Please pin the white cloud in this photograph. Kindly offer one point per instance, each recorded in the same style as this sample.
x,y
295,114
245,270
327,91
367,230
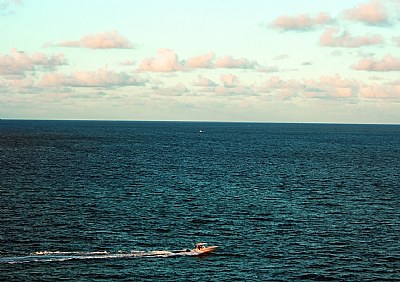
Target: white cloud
x,y
372,13
387,63
203,81
202,61
229,80
230,62
104,40
99,78
301,22
175,90
18,63
333,38
165,61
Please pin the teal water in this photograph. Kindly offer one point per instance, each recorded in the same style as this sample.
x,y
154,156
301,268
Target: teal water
x,y
92,201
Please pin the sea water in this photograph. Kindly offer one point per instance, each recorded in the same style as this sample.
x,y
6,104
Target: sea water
x,y
97,200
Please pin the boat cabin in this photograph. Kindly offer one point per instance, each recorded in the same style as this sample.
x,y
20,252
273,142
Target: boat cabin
x,y
200,246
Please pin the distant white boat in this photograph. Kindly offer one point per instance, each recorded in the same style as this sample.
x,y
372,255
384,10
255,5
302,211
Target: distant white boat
x,y
201,131
202,248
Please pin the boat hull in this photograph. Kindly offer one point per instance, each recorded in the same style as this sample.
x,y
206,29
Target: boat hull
x,y
205,250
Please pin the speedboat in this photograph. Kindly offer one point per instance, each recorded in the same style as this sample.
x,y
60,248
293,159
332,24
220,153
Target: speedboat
x,y
202,248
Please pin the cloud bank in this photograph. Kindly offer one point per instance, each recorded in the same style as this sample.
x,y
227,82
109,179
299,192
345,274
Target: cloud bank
x,y
18,63
167,61
100,78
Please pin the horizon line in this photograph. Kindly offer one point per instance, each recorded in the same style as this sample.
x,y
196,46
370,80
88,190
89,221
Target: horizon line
x,y
201,121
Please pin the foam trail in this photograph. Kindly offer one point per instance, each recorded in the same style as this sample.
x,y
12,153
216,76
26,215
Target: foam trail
x,y
59,256
68,253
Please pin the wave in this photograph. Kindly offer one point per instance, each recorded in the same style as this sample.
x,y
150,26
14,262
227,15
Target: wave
x,y
58,256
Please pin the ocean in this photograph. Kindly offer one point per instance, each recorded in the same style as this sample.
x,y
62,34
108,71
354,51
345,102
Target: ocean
x,y
107,200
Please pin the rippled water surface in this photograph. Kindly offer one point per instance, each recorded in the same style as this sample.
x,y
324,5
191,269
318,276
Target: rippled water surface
x,y
96,201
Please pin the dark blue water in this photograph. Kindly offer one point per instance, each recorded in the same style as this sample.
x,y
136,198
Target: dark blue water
x,y
80,199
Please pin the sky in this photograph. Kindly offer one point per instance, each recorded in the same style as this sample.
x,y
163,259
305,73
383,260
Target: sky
x,y
191,60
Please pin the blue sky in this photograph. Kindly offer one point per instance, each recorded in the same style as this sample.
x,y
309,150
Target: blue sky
x,y
285,61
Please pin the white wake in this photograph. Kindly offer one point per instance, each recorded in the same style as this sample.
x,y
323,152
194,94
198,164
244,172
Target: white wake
x,y
54,256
